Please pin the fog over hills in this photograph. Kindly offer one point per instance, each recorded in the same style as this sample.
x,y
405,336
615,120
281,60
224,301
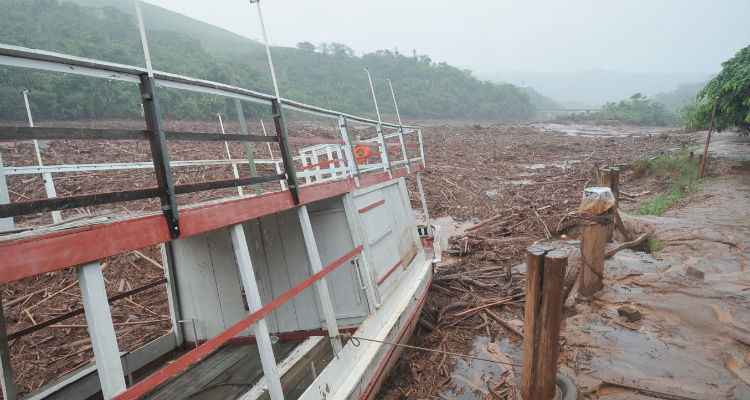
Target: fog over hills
x,y
592,88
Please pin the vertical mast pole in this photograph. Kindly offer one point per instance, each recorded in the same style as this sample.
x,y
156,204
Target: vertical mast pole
x,y
268,50
400,128
374,99
144,39
278,115
167,251
379,128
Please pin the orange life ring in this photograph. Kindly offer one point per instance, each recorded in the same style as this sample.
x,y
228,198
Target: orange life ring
x,y
362,152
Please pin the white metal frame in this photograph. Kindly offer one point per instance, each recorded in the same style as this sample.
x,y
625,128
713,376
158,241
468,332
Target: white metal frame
x,y
17,56
350,161
6,224
7,384
172,295
252,294
379,128
423,201
235,171
374,299
101,330
321,285
67,168
49,184
400,129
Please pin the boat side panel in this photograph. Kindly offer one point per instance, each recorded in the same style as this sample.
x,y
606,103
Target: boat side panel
x,y
208,277
333,237
358,370
381,229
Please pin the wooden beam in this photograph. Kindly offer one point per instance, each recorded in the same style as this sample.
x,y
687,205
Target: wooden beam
x,y
542,318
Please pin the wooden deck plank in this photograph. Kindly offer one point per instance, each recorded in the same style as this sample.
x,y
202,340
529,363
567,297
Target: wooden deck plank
x,y
227,373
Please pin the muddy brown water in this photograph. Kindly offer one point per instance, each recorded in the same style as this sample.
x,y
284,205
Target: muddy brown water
x,y
471,378
693,339
573,129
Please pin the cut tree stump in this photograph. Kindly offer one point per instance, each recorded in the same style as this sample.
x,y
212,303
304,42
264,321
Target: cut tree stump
x,y
542,318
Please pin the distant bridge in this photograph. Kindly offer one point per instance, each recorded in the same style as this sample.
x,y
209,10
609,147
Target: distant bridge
x,y
568,110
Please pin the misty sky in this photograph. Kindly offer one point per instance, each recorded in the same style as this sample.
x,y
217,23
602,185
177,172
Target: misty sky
x,y
655,36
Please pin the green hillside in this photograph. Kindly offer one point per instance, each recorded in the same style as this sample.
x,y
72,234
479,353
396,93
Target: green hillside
x,y
540,101
106,29
214,39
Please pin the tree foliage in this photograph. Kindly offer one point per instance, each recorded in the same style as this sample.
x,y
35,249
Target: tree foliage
x,y
306,46
637,110
729,92
331,75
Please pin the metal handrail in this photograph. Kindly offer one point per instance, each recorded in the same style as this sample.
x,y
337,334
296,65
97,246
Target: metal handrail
x,y
17,56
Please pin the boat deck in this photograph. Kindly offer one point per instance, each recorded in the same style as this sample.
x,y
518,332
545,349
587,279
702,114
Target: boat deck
x,y
260,261
226,374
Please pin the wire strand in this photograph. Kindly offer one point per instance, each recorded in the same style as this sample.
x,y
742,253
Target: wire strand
x,y
356,339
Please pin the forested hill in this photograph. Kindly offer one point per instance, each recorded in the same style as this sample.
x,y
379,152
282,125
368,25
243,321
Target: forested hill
x,y
330,75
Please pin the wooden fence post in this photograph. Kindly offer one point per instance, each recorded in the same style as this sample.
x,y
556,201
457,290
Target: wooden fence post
x,y
543,315
610,177
593,245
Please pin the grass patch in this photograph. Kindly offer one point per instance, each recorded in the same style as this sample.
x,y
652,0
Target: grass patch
x,y
660,203
681,173
654,245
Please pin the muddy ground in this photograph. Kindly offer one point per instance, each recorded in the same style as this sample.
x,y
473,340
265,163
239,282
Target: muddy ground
x,y
691,342
693,337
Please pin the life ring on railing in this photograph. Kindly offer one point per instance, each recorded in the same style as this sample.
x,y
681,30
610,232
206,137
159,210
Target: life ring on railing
x,y
361,153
